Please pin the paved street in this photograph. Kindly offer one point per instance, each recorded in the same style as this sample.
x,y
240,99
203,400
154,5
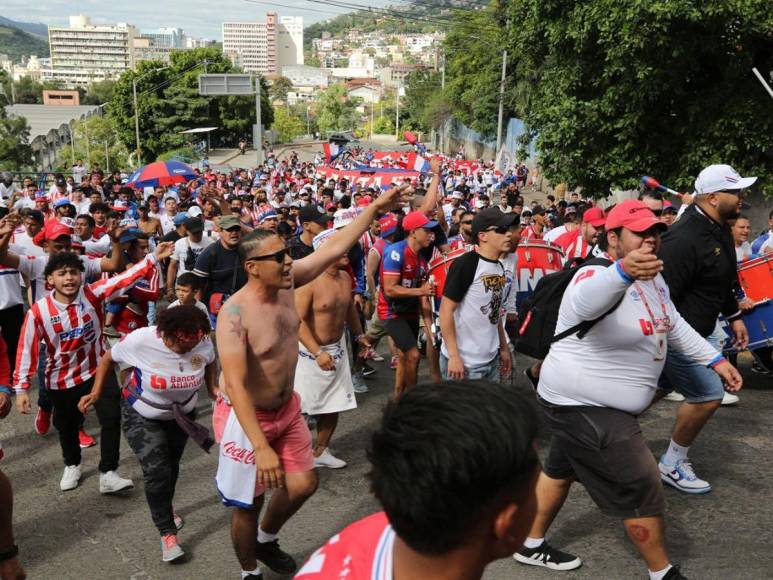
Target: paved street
x,y
83,535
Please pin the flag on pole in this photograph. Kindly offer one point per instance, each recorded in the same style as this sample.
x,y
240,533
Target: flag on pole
x,y
331,150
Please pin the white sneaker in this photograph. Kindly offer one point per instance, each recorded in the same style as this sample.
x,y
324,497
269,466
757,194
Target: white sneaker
x,y
674,396
359,384
730,399
111,482
682,477
70,477
170,549
326,459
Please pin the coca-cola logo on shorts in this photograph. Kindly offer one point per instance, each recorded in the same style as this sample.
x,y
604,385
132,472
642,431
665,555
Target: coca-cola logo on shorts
x,y
232,450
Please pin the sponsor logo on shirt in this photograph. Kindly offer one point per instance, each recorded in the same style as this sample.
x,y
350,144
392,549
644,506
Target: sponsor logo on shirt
x,y
86,332
197,361
238,454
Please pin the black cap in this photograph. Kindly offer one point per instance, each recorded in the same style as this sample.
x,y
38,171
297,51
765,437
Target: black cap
x,y
61,181
311,213
194,225
489,218
538,210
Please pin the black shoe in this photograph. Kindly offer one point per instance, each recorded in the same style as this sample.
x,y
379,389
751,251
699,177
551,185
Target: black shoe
x,y
674,574
532,379
253,577
548,557
273,557
367,370
759,369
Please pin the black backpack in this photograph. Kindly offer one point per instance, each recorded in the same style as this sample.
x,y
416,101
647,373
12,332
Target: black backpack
x,y
535,328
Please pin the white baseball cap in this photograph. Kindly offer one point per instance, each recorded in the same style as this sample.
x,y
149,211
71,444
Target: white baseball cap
x,y
343,217
716,178
322,237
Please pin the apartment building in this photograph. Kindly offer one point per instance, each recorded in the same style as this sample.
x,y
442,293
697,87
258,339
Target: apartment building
x,y
264,47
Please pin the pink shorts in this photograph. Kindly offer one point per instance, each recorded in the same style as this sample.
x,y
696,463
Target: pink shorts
x,y
285,429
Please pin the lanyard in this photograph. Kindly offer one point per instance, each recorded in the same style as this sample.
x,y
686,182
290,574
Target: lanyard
x,y
646,304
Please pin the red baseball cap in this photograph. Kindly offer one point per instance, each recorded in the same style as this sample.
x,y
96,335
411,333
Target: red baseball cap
x,y
594,216
416,220
633,215
51,231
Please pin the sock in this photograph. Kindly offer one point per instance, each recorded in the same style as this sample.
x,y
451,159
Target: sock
x,y
532,543
264,537
674,453
255,572
660,574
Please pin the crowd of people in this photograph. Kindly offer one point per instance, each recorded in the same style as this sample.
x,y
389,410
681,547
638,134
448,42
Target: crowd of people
x,y
269,290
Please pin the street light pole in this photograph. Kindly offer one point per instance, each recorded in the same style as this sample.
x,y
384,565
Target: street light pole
x,y
136,124
258,127
501,100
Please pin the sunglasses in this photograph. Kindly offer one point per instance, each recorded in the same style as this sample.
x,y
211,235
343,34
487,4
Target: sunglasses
x,y
278,257
499,229
466,222
657,212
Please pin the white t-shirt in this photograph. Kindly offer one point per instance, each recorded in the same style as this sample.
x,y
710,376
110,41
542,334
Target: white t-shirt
x,y
160,375
167,223
614,365
554,234
743,252
180,253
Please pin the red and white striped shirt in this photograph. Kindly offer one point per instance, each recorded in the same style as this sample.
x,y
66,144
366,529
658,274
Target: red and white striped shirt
x,y
529,233
573,245
72,332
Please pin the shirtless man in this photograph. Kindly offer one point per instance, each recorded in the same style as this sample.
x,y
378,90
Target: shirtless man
x,y
323,378
257,339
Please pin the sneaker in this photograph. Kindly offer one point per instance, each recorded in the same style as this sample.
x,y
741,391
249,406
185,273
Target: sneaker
x,y
547,556
533,381
178,521
327,459
674,396
367,370
111,482
170,549
682,477
272,556
86,440
729,399
253,577
70,477
375,357
42,421
393,362
359,384
674,574
756,368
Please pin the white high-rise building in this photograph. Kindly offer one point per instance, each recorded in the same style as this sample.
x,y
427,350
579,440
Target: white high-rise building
x,y
264,47
166,37
84,52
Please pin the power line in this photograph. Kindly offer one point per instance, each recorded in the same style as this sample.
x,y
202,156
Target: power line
x,y
292,7
385,12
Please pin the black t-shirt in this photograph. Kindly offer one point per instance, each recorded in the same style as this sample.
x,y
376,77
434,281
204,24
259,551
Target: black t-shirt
x,y
222,269
298,248
172,236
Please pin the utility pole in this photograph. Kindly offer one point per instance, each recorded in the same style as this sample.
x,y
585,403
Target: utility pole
x,y
72,142
107,159
397,114
258,127
136,123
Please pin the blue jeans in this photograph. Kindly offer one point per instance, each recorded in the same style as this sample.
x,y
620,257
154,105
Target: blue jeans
x,y
697,382
488,371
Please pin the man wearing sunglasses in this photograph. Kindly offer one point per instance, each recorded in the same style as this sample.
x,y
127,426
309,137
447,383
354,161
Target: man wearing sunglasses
x,y
464,237
257,340
700,268
474,344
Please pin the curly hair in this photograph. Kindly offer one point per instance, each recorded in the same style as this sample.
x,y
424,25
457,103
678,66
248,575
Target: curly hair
x,y
185,319
63,260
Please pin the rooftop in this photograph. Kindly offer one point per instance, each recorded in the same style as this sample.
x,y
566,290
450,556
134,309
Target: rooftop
x,y
42,118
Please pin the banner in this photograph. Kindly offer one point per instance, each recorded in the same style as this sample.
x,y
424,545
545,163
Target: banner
x,y
373,177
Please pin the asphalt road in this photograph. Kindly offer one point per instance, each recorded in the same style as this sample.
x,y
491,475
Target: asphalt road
x,y
83,535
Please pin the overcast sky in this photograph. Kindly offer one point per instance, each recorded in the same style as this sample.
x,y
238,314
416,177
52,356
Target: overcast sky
x,y
196,17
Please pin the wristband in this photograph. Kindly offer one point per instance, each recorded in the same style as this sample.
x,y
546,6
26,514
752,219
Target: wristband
x,y
10,553
319,352
359,336
7,390
623,274
717,361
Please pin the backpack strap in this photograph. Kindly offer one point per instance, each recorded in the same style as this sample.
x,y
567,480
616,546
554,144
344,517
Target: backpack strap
x,y
586,325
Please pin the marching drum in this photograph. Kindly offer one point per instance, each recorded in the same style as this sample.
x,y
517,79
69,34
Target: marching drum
x,y
759,323
439,267
536,258
756,278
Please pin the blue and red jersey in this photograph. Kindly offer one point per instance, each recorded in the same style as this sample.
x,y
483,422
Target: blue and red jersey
x,y
400,260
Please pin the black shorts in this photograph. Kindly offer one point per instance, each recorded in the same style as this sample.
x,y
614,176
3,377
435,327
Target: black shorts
x,y
604,448
404,331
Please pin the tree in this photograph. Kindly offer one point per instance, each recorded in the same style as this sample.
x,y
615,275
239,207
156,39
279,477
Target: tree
x,y
279,89
610,91
92,136
28,91
15,151
423,99
335,110
168,103
287,125
98,93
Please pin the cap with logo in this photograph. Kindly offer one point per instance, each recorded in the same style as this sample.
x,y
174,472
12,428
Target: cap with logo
x,y
120,205
716,178
312,213
194,225
267,213
343,217
62,202
132,234
61,182
634,215
417,219
491,217
179,219
388,225
322,237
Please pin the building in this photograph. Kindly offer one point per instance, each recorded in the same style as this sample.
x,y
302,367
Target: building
x,y
395,75
166,37
61,98
50,128
369,90
84,52
306,76
191,42
264,47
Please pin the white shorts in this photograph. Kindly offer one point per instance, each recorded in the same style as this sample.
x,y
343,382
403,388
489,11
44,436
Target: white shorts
x,y
325,391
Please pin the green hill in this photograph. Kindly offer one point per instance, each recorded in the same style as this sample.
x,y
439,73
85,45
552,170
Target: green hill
x,y
16,43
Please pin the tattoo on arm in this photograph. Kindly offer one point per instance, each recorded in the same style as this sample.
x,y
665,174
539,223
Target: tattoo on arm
x,y
235,320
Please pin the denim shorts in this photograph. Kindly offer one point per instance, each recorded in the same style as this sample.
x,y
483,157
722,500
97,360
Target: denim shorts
x,y
697,382
488,371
